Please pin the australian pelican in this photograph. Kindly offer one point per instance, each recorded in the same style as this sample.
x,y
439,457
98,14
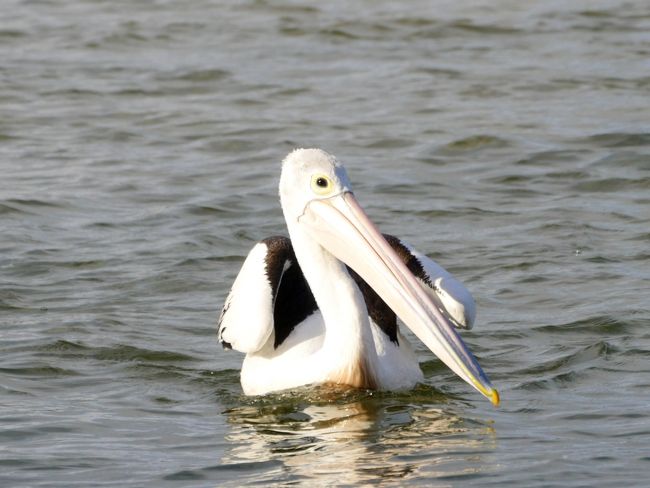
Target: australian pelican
x,y
321,307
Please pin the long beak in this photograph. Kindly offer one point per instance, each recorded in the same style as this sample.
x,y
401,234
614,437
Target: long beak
x,y
341,226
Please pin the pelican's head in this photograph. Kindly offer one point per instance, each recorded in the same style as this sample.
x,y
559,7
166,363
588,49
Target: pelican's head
x,y
317,198
310,174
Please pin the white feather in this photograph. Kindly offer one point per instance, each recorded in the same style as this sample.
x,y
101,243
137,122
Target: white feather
x,y
339,342
457,301
291,365
246,321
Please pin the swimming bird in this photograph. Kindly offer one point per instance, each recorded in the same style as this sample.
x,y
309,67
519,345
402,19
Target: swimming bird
x,y
321,306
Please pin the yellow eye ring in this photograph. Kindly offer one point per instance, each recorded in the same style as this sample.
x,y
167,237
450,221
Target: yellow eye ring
x,y
321,184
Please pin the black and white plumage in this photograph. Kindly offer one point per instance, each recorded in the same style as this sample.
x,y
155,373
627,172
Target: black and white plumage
x,y
322,306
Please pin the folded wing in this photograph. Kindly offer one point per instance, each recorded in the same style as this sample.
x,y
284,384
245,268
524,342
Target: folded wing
x,y
269,297
451,296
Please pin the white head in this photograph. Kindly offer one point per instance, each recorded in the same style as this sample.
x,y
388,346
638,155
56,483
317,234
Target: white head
x,y
310,174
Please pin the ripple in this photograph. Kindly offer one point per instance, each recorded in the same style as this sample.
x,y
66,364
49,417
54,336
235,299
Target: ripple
x,y
120,352
130,353
546,157
27,206
11,34
208,210
484,29
203,75
390,143
474,144
576,357
604,324
608,185
616,139
44,371
240,467
628,159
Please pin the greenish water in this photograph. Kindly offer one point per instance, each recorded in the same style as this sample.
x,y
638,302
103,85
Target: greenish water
x,y
139,153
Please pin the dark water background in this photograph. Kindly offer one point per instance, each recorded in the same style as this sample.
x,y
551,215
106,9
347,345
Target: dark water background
x,y
139,154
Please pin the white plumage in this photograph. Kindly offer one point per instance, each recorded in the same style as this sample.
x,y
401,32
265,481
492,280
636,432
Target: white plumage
x,y
320,307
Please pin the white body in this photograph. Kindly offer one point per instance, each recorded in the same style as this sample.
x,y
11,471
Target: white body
x,y
339,343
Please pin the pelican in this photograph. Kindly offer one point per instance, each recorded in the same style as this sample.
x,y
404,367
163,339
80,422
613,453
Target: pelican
x,y
321,306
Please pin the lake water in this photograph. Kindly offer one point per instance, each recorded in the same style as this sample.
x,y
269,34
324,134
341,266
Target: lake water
x,y
140,145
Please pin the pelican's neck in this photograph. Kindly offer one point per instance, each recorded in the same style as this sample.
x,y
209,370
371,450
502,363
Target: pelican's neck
x,y
348,342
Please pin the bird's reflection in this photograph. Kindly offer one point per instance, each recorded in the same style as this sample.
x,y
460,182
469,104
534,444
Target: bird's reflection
x,y
336,436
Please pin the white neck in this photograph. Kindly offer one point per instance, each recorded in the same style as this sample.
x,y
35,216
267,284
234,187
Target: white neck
x,y
348,345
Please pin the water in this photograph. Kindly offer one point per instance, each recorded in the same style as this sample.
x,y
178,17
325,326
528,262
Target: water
x,y
140,147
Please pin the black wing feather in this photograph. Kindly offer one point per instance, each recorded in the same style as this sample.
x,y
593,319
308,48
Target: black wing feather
x,y
294,301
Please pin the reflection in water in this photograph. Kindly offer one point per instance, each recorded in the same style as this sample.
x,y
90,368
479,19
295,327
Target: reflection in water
x,y
356,437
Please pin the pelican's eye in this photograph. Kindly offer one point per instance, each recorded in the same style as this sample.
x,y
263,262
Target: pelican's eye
x,y
321,184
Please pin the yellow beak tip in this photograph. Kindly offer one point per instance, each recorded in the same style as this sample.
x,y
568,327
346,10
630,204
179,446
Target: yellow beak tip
x,y
494,397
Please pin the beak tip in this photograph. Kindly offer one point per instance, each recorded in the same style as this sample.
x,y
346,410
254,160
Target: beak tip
x,y
494,397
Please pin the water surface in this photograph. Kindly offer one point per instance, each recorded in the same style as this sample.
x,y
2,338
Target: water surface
x,y
140,145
